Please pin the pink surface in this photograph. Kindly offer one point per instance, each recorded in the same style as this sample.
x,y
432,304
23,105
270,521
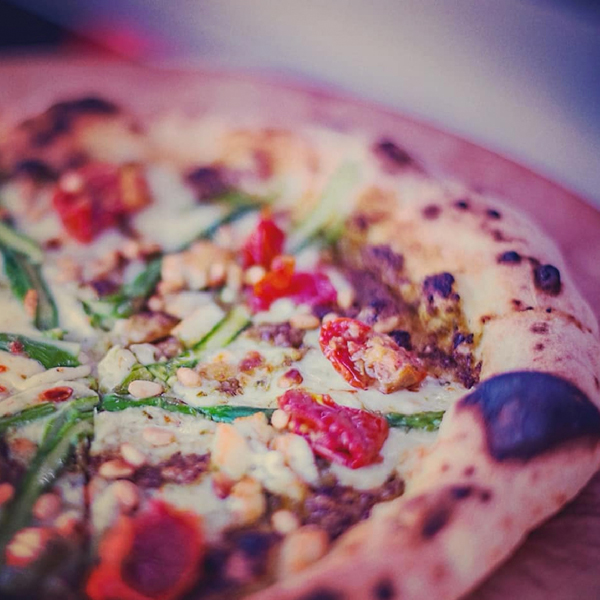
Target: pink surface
x,y
561,559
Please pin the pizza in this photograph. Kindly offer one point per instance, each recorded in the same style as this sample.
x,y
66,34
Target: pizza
x,y
238,360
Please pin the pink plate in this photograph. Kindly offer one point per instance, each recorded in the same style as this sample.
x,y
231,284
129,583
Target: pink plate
x,y
561,559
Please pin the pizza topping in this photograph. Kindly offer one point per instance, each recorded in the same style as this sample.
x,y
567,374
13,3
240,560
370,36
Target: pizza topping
x,y
154,556
366,358
547,279
278,334
264,244
97,196
282,281
509,257
335,508
57,394
349,436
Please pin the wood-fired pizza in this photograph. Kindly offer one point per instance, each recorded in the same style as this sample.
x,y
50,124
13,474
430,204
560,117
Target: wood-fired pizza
x,y
239,360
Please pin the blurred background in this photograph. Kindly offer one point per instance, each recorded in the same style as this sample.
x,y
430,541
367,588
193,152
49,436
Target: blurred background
x,y
521,77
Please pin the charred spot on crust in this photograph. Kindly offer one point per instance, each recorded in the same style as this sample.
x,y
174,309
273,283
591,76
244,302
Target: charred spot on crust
x,y
462,205
511,257
322,594
392,153
459,492
527,413
432,211
435,520
499,236
547,279
539,328
208,182
439,284
384,589
88,105
493,214
36,170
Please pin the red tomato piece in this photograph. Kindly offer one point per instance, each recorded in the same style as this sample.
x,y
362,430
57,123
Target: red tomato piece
x,y
57,394
154,556
94,197
365,358
349,436
263,244
282,282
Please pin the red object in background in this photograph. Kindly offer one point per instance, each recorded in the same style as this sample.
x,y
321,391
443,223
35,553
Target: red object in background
x,y
94,198
349,436
282,281
263,244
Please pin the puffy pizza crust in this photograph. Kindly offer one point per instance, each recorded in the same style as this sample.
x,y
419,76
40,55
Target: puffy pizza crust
x,y
467,510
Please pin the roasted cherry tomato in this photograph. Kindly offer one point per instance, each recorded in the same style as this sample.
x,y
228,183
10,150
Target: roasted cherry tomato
x,y
366,358
94,197
283,282
154,556
349,436
263,244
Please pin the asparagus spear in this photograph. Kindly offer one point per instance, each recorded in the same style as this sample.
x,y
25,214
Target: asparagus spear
x,y
24,275
17,242
427,421
219,414
33,413
328,216
62,434
48,354
127,300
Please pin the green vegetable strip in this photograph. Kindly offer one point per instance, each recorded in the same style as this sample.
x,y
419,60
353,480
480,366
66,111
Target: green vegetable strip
x,y
427,421
329,214
219,414
47,354
237,212
61,436
220,336
127,300
33,413
17,242
23,276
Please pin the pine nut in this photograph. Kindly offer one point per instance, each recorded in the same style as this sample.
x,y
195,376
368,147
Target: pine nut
x,y
280,419
126,493
156,436
132,455
302,321
144,389
115,469
254,274
188,377
284,521
386,325
26,546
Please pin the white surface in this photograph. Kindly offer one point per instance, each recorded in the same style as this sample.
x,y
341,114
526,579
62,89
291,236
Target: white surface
x,y
518,76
